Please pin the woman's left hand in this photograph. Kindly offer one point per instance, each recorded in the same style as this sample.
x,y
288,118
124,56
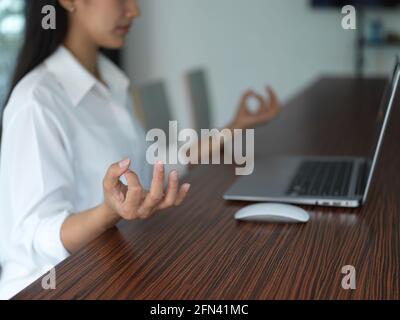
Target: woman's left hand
x,y
268,109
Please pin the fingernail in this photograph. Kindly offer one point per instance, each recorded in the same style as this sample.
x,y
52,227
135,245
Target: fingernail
x,y
124,163
186,187
174,175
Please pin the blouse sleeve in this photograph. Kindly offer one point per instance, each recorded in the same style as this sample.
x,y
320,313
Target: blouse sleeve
x,y
41,180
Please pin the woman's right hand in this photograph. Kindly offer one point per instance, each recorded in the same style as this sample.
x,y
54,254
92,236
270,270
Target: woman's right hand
x,y
133,202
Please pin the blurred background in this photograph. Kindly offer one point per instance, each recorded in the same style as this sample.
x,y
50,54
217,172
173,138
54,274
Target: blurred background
x,y
239,45
11,28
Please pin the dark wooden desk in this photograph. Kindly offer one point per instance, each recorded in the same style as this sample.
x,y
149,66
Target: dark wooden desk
x,y
199,251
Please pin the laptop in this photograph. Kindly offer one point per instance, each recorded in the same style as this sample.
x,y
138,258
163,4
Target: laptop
x,y
321,181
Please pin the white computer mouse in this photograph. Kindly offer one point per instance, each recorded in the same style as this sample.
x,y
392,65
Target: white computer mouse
x,y
273,213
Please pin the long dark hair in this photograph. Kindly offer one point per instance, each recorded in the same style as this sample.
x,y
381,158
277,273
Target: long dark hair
x,y
38,44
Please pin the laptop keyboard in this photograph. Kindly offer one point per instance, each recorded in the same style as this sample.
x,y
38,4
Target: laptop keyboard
x,y
322,178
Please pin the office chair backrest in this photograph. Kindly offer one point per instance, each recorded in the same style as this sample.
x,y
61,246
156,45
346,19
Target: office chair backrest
x,y
153,102
196,82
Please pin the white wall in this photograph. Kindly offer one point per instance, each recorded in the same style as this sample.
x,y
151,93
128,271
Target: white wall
x,y
242,43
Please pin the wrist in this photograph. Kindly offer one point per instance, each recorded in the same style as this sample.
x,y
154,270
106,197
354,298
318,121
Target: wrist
x,y
108,216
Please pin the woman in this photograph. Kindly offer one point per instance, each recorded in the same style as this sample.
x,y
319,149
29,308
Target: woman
x,y
69,137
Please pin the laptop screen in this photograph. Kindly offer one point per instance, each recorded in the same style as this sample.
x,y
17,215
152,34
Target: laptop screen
x,y
382,121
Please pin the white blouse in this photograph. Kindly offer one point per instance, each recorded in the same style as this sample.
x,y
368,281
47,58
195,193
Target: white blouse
x,y
62,129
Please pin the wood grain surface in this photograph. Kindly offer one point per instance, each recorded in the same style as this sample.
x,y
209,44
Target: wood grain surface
x,y
198,251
